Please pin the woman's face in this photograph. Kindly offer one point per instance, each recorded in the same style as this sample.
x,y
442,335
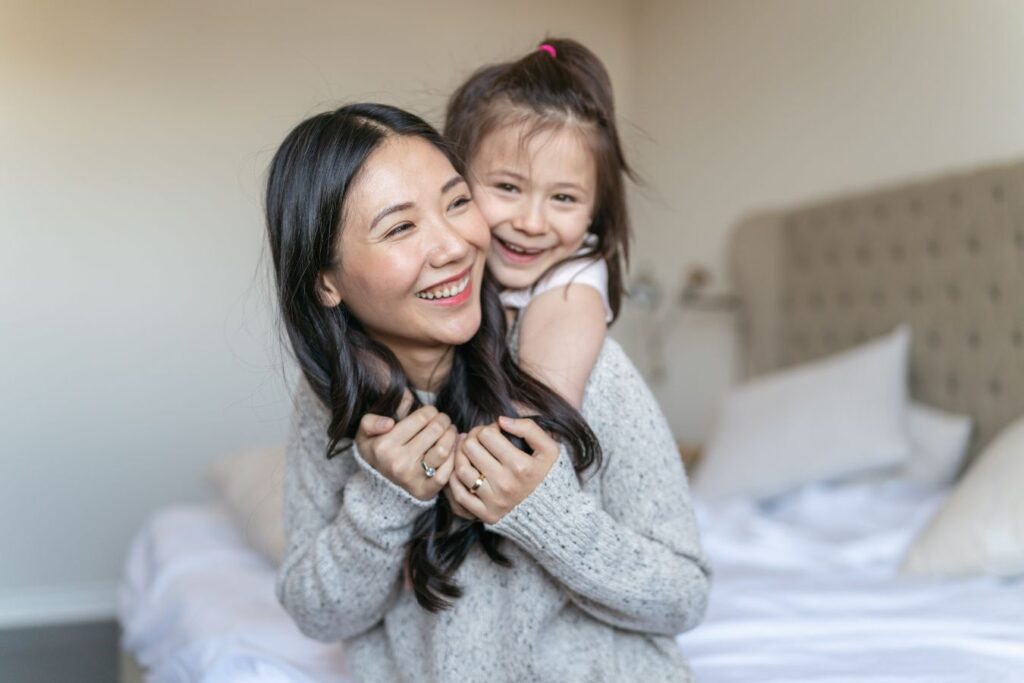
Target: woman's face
x,y
411,250
537,193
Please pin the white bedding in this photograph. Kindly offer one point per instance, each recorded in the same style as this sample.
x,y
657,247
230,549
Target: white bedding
x,y
804,590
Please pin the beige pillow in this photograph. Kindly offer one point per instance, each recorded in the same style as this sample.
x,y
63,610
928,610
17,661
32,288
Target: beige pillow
x,y
250,485
980,528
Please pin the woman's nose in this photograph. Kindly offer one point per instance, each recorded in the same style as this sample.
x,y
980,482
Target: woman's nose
x,y
449,245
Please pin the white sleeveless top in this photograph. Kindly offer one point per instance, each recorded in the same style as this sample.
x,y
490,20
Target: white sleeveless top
x,y
592,272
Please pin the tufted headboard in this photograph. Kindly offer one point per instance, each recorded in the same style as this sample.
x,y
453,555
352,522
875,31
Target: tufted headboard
x,y
945,254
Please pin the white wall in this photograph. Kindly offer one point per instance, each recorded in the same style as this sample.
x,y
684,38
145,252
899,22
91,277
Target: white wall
x,y
755,104
136,338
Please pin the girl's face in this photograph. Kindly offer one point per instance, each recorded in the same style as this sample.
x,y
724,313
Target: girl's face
x,y
537,193
411,251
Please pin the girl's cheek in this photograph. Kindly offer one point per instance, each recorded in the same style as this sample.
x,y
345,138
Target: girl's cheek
x,y
491,210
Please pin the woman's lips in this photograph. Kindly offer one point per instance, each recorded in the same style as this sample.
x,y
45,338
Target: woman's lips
x,y
460,298
451,292
516,257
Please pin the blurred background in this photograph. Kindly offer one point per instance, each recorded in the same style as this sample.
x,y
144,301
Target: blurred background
x,y
136,325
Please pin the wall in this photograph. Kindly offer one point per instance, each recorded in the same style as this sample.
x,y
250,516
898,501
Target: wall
x,y
756,104
134,325
135,331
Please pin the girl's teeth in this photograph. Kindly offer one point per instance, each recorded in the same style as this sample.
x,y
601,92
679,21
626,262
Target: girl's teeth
x,y
520,250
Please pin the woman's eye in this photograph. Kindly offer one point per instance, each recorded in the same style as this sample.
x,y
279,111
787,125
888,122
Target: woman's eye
x,y
459,202
398,230
507,187
565,198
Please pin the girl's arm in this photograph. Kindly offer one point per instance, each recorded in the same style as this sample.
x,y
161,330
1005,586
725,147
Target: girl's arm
x,y
561,333
342,570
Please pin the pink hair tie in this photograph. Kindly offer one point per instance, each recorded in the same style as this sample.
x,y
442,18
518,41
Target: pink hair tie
x,y
550,49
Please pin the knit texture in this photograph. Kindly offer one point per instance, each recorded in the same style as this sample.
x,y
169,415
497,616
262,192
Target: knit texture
x,y
603,575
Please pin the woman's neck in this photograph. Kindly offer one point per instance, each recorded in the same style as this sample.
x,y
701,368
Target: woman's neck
x,y
427,369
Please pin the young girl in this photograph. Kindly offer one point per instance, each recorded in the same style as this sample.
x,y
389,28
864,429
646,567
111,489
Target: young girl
x,y
547,171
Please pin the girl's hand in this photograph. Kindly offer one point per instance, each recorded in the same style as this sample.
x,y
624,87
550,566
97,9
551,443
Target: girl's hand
x,y
407,451
506,475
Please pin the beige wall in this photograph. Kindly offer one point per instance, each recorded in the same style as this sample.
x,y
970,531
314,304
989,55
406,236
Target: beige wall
x,y
754,104
136,339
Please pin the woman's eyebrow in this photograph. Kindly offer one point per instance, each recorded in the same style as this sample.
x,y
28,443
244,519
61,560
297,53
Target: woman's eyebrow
x,y
390,210
452,182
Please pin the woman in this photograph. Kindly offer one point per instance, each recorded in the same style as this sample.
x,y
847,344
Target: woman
x,y
379,256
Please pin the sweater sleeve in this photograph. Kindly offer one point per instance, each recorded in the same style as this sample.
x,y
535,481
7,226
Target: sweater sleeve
x,y
346,526
631,558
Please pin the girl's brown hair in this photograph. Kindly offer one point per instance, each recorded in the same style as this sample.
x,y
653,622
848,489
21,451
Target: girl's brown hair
x,y
561,83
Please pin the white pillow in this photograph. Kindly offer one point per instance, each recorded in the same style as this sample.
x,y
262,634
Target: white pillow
x,y
820,420
938,442
250,486
980,526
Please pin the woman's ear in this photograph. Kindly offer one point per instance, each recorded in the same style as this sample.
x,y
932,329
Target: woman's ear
x,y
327,290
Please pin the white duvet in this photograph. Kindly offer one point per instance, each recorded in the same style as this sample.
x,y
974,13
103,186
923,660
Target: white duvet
x,y
804,590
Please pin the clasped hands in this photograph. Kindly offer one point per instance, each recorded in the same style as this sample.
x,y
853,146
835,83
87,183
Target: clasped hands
x,y
482,473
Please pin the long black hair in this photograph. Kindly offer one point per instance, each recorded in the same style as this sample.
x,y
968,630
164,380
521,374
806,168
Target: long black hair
x,y
308,181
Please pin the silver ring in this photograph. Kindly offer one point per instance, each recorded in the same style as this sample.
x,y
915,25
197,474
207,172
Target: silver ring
x,y
427,469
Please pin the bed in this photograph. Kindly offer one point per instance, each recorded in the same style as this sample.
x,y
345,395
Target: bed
x,y
806,587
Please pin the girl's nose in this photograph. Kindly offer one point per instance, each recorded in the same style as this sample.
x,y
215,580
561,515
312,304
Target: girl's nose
x,y
530,221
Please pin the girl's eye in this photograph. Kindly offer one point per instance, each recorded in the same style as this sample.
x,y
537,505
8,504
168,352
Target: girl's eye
x,y
565,198
507,187
399,229
460,202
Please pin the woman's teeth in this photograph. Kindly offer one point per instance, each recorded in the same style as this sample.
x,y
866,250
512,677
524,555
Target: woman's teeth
x,y
447,291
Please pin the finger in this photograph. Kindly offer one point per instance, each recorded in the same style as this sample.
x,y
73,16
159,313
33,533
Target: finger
x,y
425,439
539,440
410,426
480,456
469,502
375,425
441,451
454,505
465,472
404,405
498,445
444,473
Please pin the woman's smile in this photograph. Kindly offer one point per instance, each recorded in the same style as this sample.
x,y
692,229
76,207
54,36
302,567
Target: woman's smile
x,y
454,291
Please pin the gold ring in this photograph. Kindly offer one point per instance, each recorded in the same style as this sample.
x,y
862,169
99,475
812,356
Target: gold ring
x,y
477,484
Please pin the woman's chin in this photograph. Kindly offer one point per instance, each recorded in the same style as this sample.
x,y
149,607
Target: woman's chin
x,y
461,330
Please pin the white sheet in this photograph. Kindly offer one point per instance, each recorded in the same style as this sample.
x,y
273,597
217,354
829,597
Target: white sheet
x,y
804,591
197,604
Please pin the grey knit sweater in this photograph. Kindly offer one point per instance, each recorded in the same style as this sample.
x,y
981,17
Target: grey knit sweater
x,y
604,573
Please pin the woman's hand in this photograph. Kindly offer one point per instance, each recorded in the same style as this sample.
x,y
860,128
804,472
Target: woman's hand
x,y
452,503
406,452
506,475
